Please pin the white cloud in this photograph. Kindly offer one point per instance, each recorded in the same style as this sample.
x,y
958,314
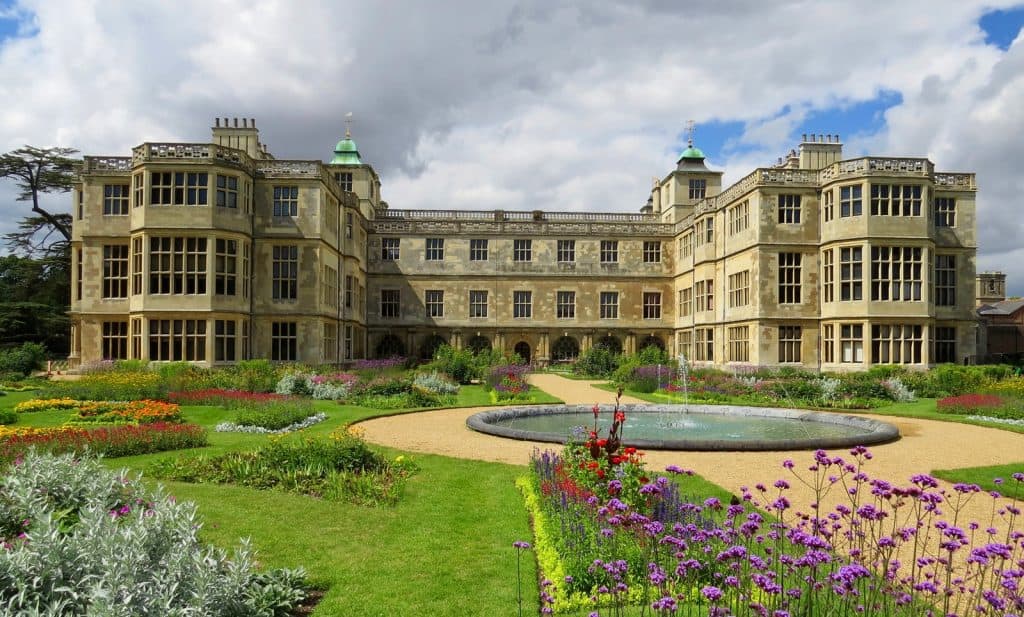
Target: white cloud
x,y
536,105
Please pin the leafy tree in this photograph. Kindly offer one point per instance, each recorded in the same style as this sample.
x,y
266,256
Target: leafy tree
x,y
34,295
42,170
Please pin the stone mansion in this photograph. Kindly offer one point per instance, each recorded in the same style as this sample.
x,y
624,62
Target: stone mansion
x,y
217,252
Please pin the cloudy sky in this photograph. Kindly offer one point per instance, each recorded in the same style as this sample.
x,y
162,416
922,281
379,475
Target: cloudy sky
x,y
535,104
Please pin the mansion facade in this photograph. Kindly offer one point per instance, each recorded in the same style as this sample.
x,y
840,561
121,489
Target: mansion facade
x,y
217,252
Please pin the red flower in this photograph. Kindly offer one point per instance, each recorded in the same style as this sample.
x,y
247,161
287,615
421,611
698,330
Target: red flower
x,y
602,443
600,473
620,417
596,410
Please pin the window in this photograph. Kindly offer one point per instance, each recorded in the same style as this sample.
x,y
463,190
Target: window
x,y
177,265
349,223
390,249
703,293
137,337
245,340
522,304
945,344
114,340
79,266
344,179
566,251
227,191
945,280
115,200
245,271
895,200
827,205
522,250
138,189
478,249
285,272
434,249
565,304
390,303
829,343
652,252
739,289
790,338
850,201
851,343
286,201
739,344
709,230
478,303
851,273
687,241
789,278
81,204
739,218
704,345
349,349
434,301
177,340
178,188
945,212
284,341
224,340
686,344
652,304
329,286
896,344
136,267
225,267
827,274
348,290
609,304
685,301
896,273
115,271
329,349
698,188
789,209
609,251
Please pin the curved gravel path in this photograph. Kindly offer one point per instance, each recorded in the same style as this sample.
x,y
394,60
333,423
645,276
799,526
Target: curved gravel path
x,y
925,445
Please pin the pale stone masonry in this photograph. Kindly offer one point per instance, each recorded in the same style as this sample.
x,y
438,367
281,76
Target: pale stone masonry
x,y
217,252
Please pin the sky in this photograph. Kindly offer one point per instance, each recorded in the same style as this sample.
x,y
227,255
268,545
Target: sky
x,y
537,104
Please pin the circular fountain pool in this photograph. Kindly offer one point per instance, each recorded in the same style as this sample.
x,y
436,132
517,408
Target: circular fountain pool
x,y
690,427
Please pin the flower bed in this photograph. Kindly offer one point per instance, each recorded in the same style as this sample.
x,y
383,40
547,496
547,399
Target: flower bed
x,y
221,396
990,405
46,404
507,383
231,427
133,412
112,441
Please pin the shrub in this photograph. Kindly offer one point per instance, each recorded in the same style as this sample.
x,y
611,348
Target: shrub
x,y
109,386
596,362
953,379
383,385
458,363
652,354
23,360
898,391
274,415
79,514
254,376
340,468
11,377
111,441
435,383
294,383
1012,387
330,391
650,378
8,416
380,364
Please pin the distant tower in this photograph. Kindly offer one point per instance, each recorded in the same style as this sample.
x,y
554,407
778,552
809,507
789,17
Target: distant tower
x,y
346,152
990,287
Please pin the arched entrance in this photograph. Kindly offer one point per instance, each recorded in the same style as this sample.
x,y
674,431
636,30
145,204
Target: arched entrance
x,y
430,346
479,343
565,349
390,346
522,349
610,343
652,341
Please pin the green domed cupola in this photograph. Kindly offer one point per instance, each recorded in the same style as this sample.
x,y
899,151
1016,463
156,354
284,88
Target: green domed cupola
x,y
691,153
346,152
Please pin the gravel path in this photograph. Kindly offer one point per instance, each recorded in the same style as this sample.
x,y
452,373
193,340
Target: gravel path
x,y
925,445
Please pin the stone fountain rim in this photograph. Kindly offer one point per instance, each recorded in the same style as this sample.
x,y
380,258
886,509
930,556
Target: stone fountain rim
x,y
877,431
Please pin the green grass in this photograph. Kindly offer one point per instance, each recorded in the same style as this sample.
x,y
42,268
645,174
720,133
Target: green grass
x,y
985,478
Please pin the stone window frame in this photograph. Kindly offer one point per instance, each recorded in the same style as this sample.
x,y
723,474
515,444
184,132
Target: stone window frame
x,y
185,340
433,249
285,201
790,277
565,251
789,208
608,304
897,343
651,303
284,272
433,301
478,303
895,277
344,179
790,344
227,192
349,290
704,344
390,303
179,188
225,332
565,305
685,301
390,249
522,250
739,289
851,273
896,199
225,268
115,271
828,343
609,251
944,209
851,343
738,343
944,343
115,199
522,304
828,283
284,341
329,344
851,200
828,209
329,285
698,188
739,217
479,249
944,280
652,251
114,340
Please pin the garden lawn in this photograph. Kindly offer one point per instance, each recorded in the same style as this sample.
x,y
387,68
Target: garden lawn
x,y
985,477
445,549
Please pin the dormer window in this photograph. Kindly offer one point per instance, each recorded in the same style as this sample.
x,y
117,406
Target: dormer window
x,y
698,188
